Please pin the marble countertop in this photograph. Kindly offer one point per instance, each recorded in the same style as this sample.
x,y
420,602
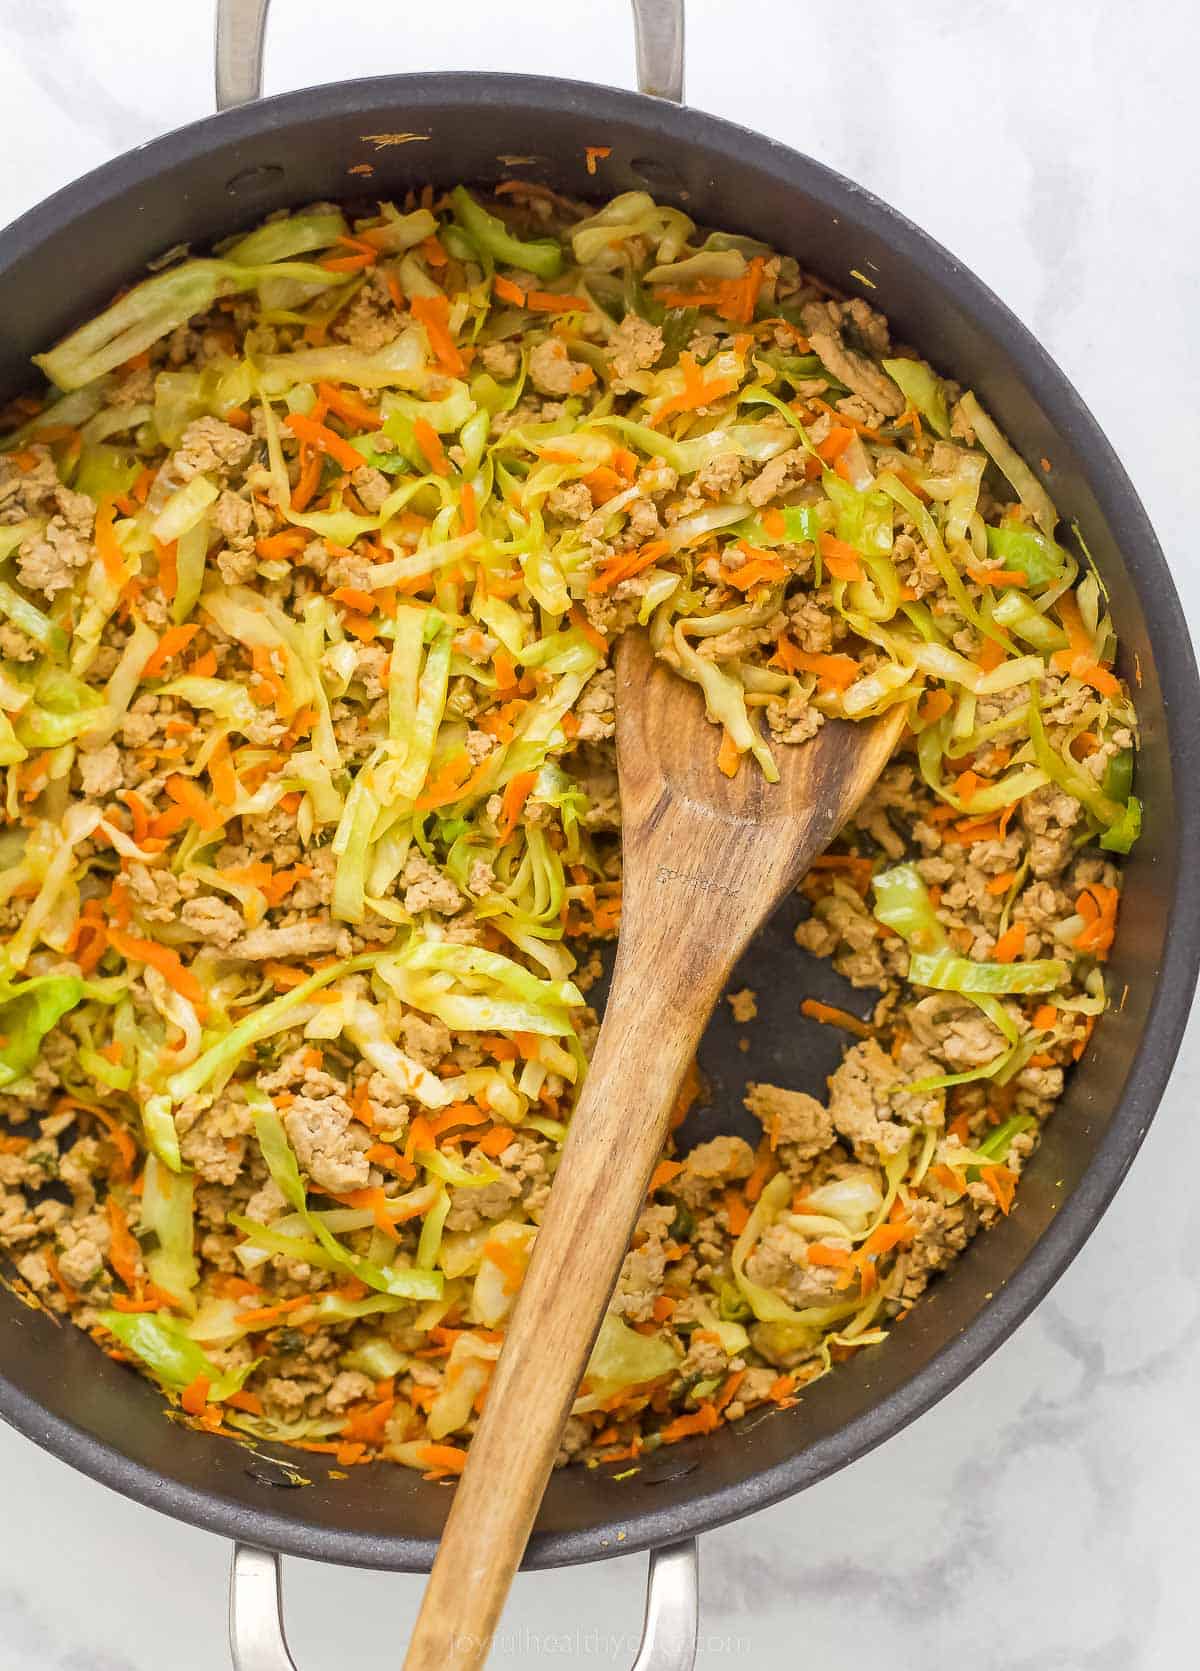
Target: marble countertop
x,y
1045,1516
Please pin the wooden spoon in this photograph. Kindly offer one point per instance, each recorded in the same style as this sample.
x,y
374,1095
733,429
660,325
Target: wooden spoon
x,y
706,858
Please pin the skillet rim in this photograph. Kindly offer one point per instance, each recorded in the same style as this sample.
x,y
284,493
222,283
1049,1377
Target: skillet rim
x,y
1146,565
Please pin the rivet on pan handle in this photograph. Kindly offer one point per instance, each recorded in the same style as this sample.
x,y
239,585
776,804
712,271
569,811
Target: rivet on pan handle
x,y
258,1642
242,25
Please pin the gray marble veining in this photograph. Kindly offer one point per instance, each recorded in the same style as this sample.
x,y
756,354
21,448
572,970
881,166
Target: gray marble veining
x,y
1045,1516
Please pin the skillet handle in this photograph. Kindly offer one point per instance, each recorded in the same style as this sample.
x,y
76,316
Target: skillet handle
x,y
258,1642
242,26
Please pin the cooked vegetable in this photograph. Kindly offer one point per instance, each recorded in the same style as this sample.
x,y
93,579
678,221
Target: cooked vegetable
x,y
314,554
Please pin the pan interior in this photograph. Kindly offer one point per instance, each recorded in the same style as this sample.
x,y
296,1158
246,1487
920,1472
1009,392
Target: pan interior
x,y
225,174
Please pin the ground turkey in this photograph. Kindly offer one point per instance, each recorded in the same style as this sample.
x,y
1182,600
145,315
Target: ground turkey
x,y
635,346
711,1166
859,1102
329,1144
792,1119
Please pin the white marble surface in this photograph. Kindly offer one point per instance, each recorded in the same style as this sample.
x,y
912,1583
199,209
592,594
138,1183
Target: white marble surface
x,y
1046,1516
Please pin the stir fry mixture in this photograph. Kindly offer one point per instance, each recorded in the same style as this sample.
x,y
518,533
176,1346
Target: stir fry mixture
x,y
312,556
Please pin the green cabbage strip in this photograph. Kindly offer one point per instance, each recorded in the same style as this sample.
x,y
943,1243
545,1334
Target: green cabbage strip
x,y
153,309
1025,550
170,1355
623,1358
1029,490
430,1241
490,992
281,1163
45,633
225,1053
1061,768
902,903
1015,613
279,240
950,973
922,389
167,1212
767,1306
542,256
27,1013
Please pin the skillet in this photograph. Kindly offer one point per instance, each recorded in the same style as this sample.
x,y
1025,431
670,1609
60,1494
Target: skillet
x,y
226,172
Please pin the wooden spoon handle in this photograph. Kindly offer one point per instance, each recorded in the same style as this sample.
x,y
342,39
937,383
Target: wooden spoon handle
x,y
650,1035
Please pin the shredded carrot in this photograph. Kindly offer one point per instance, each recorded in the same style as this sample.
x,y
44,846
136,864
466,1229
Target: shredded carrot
x,y
169,645
834,672
733,299
1079,657
1081,1044
1098,906
123,1253
108,547
702,1420
1011,943
166,961
250,1402
375,1202
627,564
729,1389
309,479
1002,883
990,655
933,705
832,1016
323,439
842,560
167,573
384,1154
364,255
759,568
349,406
516,793
594,153
433,312
278,545
508,291
859,870
430,444
663,1173
949,1178
960,1127
1002,1182
695,392
121,1139
194,1396
764,1165
264,665
998,577
729,756
737,1214
199,809
596,639
447,1457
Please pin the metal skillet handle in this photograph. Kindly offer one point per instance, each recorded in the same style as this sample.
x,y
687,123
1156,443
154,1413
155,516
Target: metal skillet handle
x,y
258,1642
242,27
256,1634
